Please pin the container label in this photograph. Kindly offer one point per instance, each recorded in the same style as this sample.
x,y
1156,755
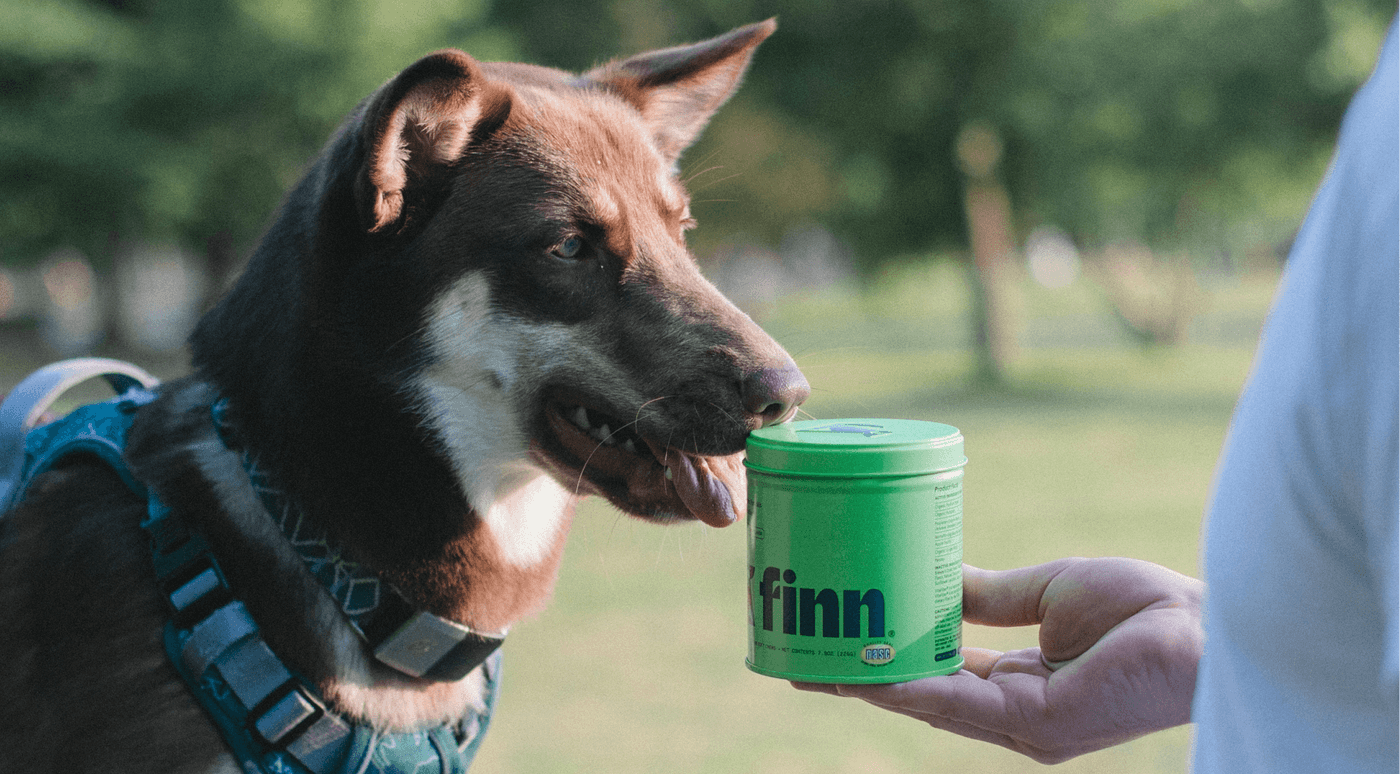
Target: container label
x,y
878,654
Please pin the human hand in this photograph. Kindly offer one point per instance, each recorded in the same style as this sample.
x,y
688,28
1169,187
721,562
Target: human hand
x,y
1119,643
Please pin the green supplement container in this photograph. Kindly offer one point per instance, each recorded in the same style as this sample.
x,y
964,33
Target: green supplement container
x,y
855,550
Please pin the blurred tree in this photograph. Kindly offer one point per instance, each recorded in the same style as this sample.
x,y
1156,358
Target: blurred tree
x,y
1147,120
161,119
1163,121
992,244
1182,124
170,121
1170,120
135,126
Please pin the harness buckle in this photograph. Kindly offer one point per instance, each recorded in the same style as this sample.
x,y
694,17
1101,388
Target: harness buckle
x,y
302,726
285,715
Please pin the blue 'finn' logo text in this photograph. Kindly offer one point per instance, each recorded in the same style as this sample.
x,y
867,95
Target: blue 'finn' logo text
x,y
840,614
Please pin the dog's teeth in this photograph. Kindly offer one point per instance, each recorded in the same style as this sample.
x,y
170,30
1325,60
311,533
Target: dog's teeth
x,y
580,418
629,446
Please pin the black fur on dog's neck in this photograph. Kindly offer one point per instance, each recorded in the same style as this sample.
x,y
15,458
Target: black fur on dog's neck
x,y
303,399
312,347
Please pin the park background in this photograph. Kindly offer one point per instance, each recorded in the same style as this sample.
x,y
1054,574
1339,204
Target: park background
x,y
1055,224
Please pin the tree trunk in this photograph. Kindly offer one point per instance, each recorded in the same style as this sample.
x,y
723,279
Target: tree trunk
x,y
988,211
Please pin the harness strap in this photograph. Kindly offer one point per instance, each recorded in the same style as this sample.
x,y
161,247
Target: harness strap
x,y
271,717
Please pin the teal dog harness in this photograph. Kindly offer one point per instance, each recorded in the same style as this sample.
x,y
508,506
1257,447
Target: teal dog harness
x,y
271,717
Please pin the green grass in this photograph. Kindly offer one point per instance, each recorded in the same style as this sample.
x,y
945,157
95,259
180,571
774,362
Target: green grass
x,y
1090,450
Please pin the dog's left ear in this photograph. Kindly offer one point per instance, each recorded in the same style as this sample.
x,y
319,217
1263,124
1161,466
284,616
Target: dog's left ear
x,y
678,89
414,124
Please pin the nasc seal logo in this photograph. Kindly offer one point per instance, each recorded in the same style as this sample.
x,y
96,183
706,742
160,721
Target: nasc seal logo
x,y
869,431
878,654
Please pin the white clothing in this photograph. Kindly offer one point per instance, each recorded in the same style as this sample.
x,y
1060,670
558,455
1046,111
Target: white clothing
x,y
1302,659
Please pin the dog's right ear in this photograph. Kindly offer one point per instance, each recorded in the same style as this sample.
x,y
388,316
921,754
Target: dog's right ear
x,y
413,125
678,89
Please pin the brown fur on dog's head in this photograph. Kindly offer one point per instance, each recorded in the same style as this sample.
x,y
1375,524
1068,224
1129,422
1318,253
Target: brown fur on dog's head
x,y
424,118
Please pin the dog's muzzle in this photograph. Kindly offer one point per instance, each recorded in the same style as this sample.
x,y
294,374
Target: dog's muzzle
x,y
643,468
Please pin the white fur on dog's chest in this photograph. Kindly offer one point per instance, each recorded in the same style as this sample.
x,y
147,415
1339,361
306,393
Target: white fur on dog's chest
x,y
526,519
467,399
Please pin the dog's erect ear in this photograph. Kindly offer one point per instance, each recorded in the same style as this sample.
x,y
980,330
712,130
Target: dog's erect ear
x,y
418,121
678,89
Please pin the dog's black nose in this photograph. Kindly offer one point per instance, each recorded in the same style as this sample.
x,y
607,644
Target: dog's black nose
x,y
773,394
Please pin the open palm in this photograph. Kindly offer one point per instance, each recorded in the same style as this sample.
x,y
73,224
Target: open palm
x,y
1119,643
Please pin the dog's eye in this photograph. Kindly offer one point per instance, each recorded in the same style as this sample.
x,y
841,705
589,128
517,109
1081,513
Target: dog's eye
x,y
569,248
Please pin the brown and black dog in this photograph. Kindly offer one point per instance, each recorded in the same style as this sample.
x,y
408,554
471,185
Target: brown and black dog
x,y
476,307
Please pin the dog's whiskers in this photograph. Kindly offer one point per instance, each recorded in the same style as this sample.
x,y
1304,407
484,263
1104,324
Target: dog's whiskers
x,y
638,416
578,483
686,180
691,179
721,410
711,183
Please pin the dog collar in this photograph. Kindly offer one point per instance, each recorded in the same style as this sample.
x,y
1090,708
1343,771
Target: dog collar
x,y
410,640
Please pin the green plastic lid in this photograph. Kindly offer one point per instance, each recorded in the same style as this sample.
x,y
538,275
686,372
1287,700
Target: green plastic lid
x,y
855,447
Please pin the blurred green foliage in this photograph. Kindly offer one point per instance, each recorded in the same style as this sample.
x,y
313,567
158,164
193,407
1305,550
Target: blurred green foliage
x,y
1199,123
183,121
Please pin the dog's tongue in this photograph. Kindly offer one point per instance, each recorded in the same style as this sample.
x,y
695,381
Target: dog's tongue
x,y
711,487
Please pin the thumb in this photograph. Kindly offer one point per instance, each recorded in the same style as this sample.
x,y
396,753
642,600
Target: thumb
x,y
1008,597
